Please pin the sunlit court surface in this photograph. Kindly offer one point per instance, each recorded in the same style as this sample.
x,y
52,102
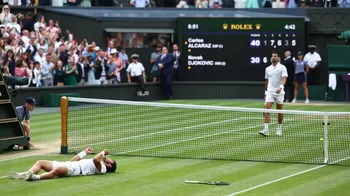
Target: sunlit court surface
x,y
160,145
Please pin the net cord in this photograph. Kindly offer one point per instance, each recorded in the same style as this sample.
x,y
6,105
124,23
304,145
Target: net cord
x,y
189,106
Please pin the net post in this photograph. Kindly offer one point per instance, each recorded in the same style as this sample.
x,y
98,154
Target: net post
x,y
325,144
64,113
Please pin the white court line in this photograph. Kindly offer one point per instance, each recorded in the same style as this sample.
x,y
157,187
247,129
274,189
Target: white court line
x,y
286,177
24,156
1,177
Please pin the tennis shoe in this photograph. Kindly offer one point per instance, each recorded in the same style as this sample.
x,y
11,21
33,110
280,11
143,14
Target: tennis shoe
x,y
294,101
29,176
17,175
307,101
279,132
264,132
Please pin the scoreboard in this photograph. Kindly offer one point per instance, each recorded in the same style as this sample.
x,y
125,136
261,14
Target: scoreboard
x,y
235,49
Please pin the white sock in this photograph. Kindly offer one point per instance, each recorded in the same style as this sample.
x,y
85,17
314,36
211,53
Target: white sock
x,y
36,177
279,126
266,126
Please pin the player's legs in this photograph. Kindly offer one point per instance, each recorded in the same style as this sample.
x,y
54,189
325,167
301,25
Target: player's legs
x,y
59,171
269,100
279,106
26,129
306,92
296,87
42,165
39,165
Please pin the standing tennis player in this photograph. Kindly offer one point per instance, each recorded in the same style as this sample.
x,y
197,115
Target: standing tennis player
x,y
23,114
276,76
78,166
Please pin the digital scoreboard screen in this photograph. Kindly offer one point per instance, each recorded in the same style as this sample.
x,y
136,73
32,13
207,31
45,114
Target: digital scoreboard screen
x,y
235,49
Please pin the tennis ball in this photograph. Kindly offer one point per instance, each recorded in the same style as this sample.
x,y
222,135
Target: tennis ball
x,y
321,139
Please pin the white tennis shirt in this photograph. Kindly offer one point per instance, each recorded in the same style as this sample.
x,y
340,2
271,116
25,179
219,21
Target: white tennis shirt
x,y
135,69
88,167
274,74
312,59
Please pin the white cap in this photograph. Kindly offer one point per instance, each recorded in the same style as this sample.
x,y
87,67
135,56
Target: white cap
x,y
97,48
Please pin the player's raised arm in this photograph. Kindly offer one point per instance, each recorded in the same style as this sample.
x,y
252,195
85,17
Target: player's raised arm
x,y
82,154
97,159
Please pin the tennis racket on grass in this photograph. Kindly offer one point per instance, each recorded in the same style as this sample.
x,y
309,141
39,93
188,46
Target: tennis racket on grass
x,y
219,183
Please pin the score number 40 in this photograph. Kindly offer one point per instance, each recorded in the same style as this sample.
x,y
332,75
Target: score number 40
x,y
257,43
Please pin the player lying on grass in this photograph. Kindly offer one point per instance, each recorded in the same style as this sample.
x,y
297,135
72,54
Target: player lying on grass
x,y
100,164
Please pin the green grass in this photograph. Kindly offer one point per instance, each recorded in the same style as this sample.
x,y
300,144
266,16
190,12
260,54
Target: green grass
x,y
154,176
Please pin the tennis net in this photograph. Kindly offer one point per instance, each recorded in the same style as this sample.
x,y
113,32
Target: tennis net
x,y
205,132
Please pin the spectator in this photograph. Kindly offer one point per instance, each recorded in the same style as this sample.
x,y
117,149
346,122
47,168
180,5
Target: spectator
x,y
154,57
47,71
240,3
40,23
73,2
2,49
71,73
29,21
15,2
110,47
89,70
125,63
101,68
216,4
59,73
182,4
140,3
58,3
20,48
9,63
177,57
111,77
85,3
5,16
40,57
136,72
62,54
202,4
24,59
278,4
53,29
45,2
21,70
28,2
37,74
25,38
118,63
73,54
14,25
81,71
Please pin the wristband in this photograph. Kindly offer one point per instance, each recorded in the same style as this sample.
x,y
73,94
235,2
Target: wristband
x,y
103,153
82,154
265,92
281,86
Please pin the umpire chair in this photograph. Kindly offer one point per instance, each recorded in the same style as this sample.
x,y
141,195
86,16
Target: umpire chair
x,y
11,131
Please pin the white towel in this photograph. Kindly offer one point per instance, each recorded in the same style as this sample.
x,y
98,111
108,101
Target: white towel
x,y
332,81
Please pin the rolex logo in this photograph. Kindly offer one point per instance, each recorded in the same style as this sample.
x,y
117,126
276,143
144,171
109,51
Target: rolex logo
x,y
225,26
258,26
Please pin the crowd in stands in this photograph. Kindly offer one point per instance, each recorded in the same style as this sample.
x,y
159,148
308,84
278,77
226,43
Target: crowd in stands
x,y
260,3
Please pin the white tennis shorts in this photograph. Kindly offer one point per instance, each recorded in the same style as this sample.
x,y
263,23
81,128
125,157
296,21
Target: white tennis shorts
x,y
274,99
72,167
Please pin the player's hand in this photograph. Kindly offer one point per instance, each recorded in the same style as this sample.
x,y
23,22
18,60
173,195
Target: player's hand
x,y
278,90
106,152
89,150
